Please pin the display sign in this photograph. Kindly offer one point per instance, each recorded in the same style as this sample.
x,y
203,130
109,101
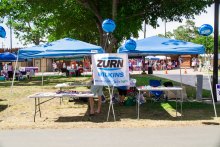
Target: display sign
x,y
218,91
110,69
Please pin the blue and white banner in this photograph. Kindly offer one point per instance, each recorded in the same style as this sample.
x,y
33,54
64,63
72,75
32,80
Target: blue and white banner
x,y
218,91
110,69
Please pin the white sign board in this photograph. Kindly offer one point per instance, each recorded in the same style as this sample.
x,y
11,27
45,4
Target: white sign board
x,y
110,69
218,91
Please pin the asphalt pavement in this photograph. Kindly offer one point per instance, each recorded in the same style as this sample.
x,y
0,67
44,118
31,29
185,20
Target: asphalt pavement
x,y
189,76
203,136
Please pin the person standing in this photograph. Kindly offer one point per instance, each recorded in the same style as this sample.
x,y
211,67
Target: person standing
x,y
10,71
97,91
54,66
193,63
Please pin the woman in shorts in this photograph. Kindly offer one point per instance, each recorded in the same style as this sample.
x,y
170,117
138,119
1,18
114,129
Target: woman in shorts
x,y
97,91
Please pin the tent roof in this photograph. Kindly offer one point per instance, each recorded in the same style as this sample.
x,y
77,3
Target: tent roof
x,y
160,45
7,56
68,45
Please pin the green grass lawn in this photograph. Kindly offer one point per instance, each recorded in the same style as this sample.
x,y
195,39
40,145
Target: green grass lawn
x,y
141,80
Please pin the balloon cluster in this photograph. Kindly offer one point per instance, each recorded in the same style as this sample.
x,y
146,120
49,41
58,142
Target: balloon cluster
x,y
205,30
130,44
2,32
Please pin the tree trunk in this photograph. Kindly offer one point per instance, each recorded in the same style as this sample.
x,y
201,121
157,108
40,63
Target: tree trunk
x,y
107,43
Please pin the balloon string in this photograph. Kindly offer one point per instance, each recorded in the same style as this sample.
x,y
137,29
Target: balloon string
x,y
106,41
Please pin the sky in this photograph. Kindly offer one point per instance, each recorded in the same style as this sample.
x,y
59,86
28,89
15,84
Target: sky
x,y
204,18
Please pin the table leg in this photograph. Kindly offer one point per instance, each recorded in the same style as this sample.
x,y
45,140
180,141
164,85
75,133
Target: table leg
x,y
181,104
139,104
176,106
35,111
39,106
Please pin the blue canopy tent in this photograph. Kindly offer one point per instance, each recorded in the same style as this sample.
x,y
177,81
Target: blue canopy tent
x,y
163,46
65,47
7,57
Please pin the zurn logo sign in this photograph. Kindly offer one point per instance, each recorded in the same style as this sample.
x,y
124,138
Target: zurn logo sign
x,y
110,63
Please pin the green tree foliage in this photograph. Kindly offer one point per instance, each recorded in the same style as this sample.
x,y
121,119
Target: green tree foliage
x,y
29,25
39,20
187,32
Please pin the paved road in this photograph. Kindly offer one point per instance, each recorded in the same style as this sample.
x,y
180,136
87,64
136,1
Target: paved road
x,y
188,78
204,136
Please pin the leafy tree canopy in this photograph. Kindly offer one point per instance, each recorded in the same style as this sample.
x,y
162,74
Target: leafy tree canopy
x,y
35,21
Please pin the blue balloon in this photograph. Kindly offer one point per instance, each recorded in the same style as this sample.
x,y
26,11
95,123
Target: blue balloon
x,y
2,32
130,44
205,30
108,25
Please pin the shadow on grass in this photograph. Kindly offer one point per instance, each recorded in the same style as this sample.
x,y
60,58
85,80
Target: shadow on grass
x,y
47,80
211,123
150,110
191,111
97,118
3,107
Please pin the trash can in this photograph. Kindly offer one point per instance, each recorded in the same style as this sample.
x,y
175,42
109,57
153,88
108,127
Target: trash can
x,y
150,70
199,83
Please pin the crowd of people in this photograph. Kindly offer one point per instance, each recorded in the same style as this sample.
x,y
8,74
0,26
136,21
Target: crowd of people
x,y
137,64
6,70
69,68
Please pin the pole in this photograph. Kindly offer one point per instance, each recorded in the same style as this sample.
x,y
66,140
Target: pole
x,y
144,29
181,81
215,58
10,35
16,64
165,28
210,84
106,41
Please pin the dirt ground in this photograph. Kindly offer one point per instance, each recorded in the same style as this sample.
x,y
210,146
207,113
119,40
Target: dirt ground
x,y
20,115
74,114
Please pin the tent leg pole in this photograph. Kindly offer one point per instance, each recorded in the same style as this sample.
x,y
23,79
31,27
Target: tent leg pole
x,y
181,101
213,102
12,83
42,82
